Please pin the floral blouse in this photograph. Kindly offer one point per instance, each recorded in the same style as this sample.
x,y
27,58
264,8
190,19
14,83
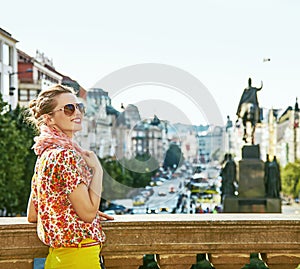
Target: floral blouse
x,y
58,171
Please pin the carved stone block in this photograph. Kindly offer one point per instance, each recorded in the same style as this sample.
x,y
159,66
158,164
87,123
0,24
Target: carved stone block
x,y
251,178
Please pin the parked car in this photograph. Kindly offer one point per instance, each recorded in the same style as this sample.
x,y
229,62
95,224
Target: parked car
x,y
119,209
109,212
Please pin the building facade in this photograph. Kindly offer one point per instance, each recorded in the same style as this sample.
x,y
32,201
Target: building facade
x,y
99,119
35,74
288,135
148,138
211,144
8,68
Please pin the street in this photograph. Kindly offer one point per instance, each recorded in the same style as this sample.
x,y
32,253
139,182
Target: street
x,y
162,198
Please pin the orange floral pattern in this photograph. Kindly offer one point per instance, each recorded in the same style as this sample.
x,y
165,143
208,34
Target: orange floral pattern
x,y
58,172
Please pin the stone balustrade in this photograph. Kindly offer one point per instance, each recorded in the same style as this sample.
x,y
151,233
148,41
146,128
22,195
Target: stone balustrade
x,y
175,239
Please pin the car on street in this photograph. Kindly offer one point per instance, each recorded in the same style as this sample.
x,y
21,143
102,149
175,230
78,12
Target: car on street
x,y
172,189
158,183
138,201
109,212
164,210
162,193
146,194
150,189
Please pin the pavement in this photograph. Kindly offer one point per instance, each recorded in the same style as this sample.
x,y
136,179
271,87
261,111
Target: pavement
x,y
294,208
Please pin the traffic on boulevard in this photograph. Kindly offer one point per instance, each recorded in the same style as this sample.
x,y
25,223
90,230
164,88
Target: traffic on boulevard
x,y
186,191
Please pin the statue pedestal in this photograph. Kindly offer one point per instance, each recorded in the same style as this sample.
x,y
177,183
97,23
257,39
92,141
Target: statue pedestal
x,y
235,204
252,195
251,178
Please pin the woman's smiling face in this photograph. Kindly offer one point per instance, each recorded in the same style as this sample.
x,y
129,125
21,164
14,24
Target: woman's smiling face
x,y
58,119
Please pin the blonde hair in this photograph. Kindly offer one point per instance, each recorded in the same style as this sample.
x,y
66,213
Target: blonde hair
x,y
45,104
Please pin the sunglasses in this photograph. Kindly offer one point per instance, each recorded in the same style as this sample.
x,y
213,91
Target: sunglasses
x,y
69,109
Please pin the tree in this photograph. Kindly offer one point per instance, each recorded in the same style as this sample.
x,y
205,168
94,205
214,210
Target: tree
x,y
141,169
291,179
135,173
28,133
174,157
14,150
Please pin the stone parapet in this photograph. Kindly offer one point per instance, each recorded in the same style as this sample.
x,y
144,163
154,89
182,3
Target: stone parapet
x,y
227,239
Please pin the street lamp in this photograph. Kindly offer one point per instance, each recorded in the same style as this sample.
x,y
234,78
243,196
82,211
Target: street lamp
x,y
11,88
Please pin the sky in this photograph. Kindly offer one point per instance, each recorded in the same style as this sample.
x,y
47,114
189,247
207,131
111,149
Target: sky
x,y
220,43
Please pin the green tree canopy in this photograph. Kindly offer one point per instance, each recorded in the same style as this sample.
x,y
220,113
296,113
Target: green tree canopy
x,y
291,179
16,166
174,157
135,173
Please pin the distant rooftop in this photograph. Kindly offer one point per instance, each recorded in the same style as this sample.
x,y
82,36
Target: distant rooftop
x,y
7,34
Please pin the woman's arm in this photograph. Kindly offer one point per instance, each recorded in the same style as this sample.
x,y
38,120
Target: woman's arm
x,y
31,212
86,201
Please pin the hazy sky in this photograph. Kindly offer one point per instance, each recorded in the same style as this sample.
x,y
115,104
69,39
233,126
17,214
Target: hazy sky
x,y
221,43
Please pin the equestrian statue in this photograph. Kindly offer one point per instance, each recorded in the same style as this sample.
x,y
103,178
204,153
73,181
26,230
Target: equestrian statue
x,y
249,111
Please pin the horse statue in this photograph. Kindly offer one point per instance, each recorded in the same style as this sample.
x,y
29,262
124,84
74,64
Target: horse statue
x,y
249,111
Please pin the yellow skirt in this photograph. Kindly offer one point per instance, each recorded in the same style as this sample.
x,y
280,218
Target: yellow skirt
x,y
74,258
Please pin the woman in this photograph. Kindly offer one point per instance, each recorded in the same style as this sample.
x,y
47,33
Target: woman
x,y
66,185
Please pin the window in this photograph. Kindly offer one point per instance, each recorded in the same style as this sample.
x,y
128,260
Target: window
x,y
23,95
33,94
27,95
202,143
6,54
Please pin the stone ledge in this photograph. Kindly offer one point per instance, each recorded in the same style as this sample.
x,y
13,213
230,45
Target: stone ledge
x,y
223,236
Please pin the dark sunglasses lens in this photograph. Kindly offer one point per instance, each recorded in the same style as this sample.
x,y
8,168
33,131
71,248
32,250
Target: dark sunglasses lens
x,y
81,108
69,109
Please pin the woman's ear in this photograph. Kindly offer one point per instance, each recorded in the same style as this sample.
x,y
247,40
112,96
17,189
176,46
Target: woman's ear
x,y
48,120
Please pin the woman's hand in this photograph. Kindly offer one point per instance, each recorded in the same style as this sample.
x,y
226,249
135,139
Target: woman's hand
x,y
104,216
92,160
31,212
